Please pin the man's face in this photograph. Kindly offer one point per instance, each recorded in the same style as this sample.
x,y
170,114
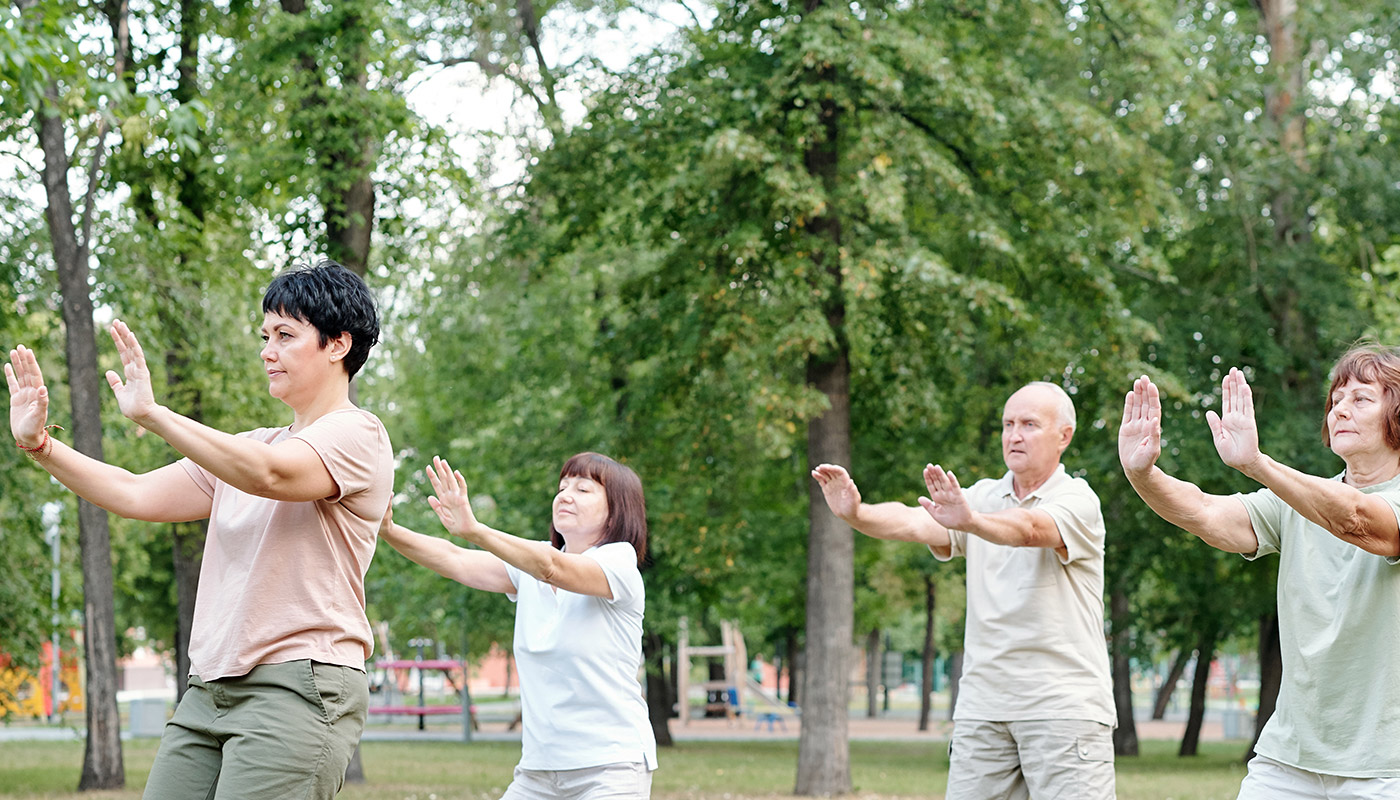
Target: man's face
x,y
1032,434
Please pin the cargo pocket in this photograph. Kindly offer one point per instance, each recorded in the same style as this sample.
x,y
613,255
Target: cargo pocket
x,y
1094,748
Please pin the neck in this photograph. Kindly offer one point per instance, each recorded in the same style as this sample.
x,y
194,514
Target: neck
x,y
1372,468
1023,483
578,544
333,397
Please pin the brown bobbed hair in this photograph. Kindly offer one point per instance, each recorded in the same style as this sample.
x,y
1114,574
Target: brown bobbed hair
x,y
627,507
1377,365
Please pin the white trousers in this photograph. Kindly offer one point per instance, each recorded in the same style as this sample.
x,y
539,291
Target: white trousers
x,y
1270,780
610,782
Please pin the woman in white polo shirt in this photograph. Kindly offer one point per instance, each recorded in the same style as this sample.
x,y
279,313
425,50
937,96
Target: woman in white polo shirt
x,y
578,624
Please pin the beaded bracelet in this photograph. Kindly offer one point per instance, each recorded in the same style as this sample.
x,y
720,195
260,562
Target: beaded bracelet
x,y
38,452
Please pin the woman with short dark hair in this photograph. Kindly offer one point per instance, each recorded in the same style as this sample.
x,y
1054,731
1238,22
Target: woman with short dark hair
x,y
1335,732
578,624
277,692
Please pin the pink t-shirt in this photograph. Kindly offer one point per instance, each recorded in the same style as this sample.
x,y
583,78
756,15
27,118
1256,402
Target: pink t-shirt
x,y
283,581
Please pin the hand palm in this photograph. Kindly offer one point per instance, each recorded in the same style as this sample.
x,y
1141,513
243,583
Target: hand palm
x,y
29,398
949,508
1236,438
452,504
843,498
1137,445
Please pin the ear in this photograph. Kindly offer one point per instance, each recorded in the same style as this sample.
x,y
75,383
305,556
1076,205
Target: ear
x,y
1066,434
338,347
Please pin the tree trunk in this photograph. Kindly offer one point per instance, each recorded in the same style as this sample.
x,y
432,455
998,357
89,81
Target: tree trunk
x,y
1125,740
1168,687
102,755
872,674
823,757
1270,676
1205,651
659,698
929,653
794,669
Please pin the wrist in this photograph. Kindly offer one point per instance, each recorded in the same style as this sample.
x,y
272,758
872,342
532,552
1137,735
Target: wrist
x,y
1256,467
150,419
43,448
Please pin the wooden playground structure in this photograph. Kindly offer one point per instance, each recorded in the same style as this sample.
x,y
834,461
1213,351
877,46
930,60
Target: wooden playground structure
x,y
742,694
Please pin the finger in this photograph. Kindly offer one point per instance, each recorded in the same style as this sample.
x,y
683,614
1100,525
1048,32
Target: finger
x,y
1153,401
10,379
928,505
25,364
1216,428
937,477
433,479
114,381
444,473
461,482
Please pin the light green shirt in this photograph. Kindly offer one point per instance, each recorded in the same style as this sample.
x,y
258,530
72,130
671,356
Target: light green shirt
x,y
1339,627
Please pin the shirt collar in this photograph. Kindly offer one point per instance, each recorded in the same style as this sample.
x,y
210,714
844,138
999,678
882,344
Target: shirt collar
x,y
1007,488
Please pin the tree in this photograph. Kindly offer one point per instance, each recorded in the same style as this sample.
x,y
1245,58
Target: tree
x,y
71,238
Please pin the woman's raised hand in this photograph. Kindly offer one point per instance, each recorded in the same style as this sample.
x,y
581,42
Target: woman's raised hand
x,y
135,397
1234,430
452,504
29,398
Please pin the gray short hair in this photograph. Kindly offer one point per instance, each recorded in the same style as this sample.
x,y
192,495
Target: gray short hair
x,y
1064,405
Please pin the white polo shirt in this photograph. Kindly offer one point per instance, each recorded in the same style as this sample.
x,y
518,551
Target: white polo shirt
x,y
581,703
1034,648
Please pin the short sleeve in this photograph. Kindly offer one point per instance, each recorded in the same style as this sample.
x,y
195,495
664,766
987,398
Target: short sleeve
x,y
619,563
957,541
1079,519
352,445
202,477
1266,515
513,573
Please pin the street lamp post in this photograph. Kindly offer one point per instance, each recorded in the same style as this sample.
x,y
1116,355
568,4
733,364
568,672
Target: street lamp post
x,y
50,514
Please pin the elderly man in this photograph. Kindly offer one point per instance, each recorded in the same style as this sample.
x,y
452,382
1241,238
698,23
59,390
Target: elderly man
x,y
1035,709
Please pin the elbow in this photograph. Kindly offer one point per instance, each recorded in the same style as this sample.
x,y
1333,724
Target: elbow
x,y
1356,528
548,569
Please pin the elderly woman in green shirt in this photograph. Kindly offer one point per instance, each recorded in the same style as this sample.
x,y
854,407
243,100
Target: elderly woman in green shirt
x,y
1335,732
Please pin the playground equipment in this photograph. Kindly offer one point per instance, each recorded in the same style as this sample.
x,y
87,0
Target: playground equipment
x,y
399,677
741,691
24,694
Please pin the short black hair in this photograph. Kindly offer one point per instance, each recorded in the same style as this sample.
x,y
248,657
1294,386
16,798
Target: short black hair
x,y
332,299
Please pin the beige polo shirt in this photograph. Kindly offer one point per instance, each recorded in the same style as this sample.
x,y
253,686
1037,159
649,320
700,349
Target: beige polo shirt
x,y
284,581
1035,647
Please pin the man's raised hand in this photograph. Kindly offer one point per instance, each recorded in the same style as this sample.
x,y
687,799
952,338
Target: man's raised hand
x,y
946,502
1140,434
842,496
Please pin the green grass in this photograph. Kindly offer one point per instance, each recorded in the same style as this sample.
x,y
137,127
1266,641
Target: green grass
x,y
692,770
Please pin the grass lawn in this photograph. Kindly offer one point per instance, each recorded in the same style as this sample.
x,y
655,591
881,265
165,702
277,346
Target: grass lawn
x,y
692,770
